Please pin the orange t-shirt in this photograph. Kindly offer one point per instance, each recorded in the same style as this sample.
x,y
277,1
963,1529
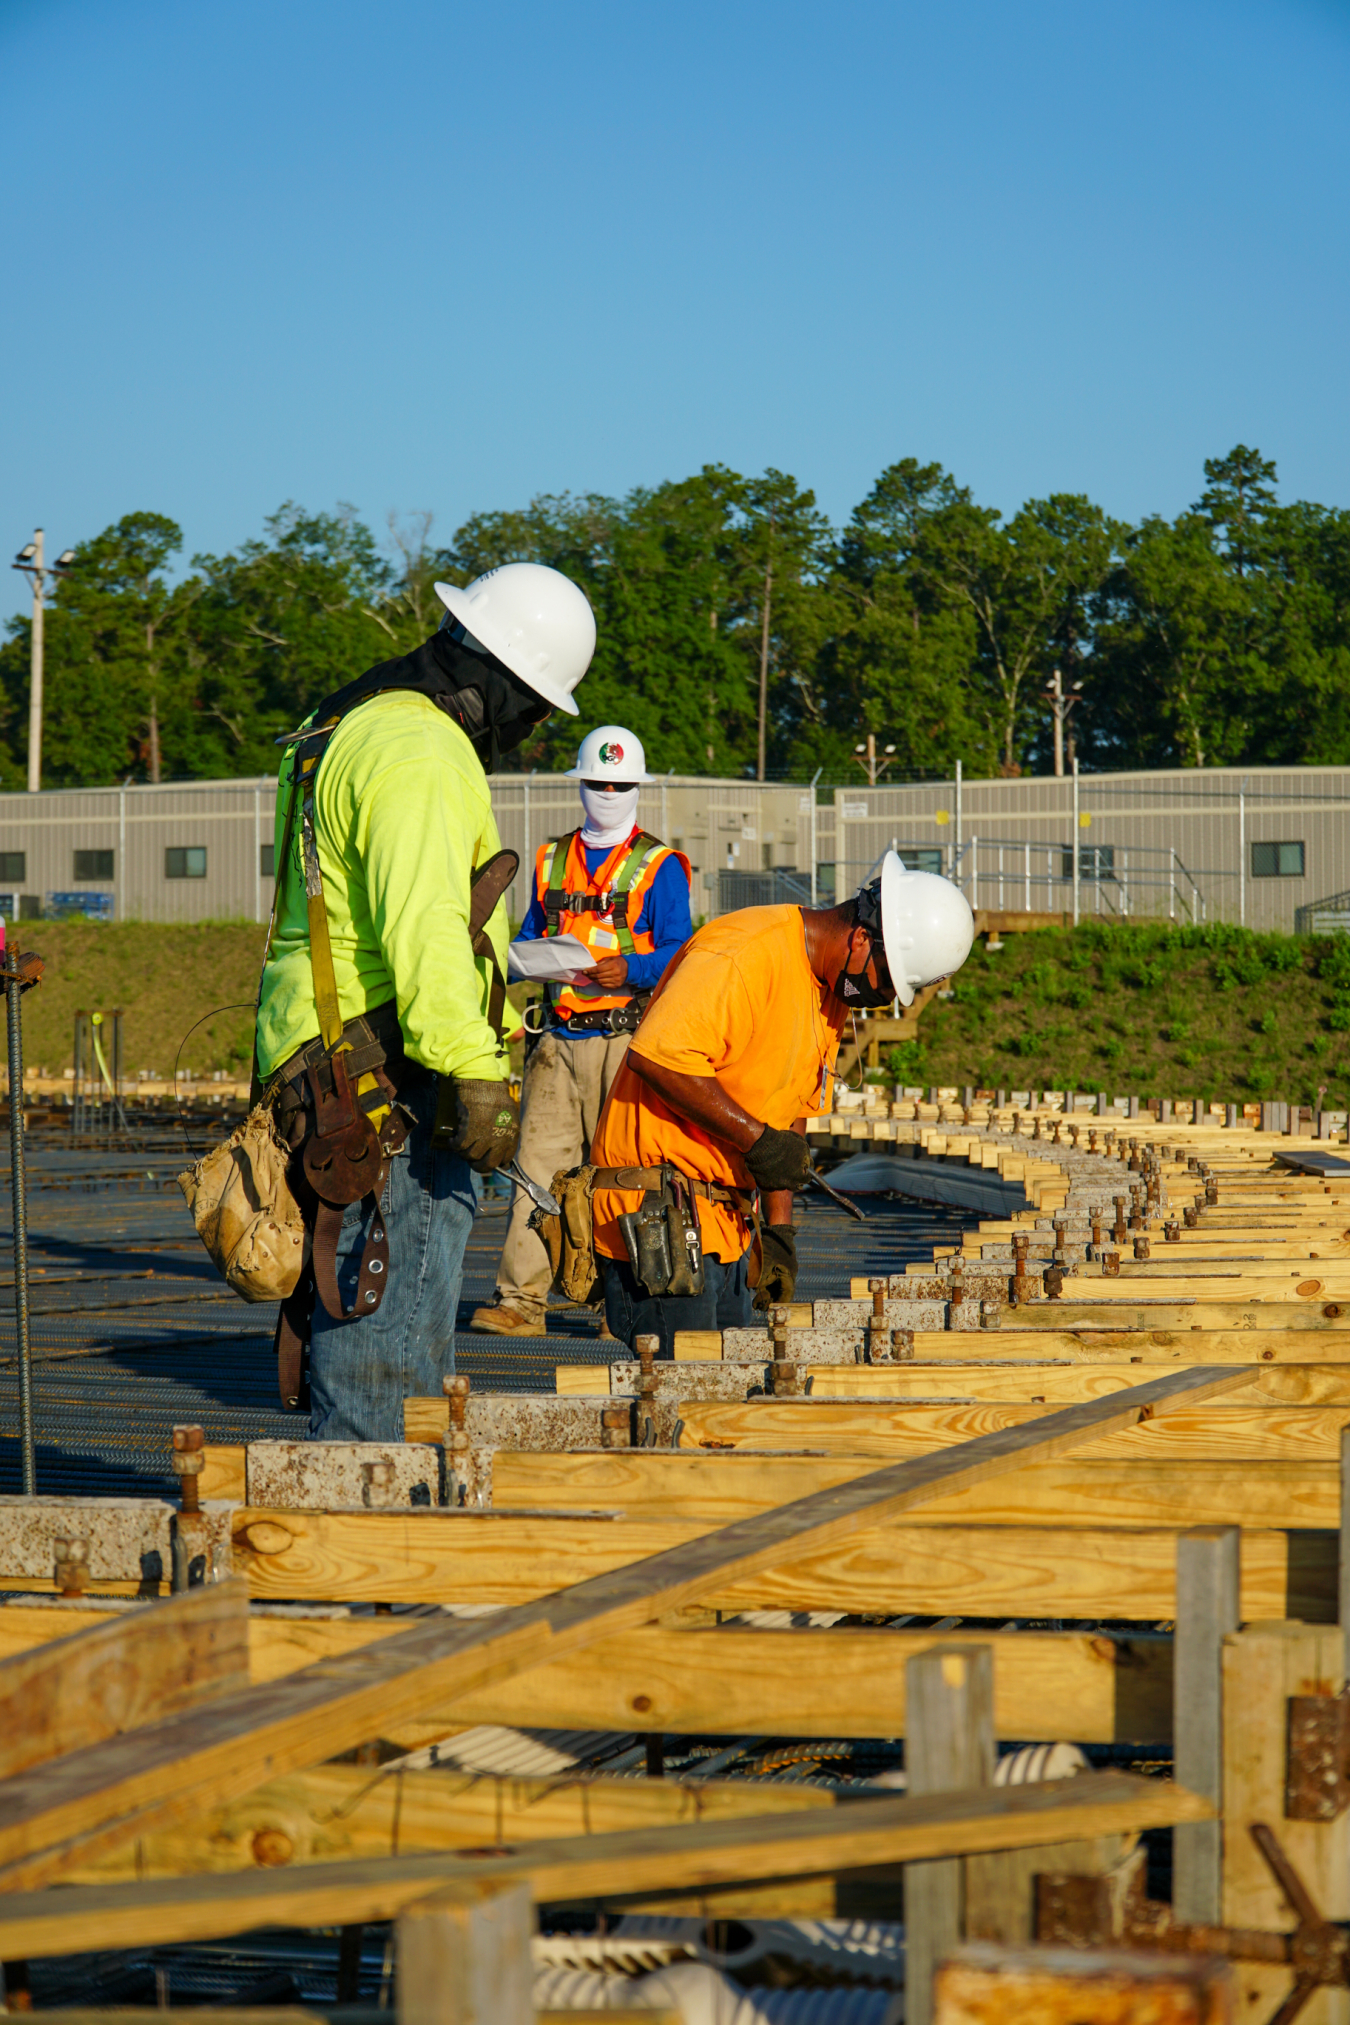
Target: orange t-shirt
x,y
740,1002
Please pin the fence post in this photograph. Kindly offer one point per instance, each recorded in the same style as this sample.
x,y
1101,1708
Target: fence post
x,y
949,1745
1076,867
1208,1570
1242,853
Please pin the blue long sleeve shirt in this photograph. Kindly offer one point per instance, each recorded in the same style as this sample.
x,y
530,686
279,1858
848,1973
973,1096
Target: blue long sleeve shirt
x,y
664,915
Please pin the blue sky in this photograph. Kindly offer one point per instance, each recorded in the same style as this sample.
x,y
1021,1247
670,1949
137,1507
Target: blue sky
x,y
447,256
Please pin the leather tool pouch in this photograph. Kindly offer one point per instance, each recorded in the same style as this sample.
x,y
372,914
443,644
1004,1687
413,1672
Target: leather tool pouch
x,y
570,1238
662,1240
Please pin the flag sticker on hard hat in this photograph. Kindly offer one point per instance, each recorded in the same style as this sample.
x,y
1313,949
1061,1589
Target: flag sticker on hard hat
x,y
610,755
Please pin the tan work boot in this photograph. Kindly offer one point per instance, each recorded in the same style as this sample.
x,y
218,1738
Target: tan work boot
x,y
498,1318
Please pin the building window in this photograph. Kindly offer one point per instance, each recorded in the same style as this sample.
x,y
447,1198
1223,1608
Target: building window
x,y
1095,861
921,861
185,861
267,859
1277,861
14,866
93,864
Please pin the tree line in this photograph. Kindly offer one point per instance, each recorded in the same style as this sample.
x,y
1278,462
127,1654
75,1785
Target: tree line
x,y
739,633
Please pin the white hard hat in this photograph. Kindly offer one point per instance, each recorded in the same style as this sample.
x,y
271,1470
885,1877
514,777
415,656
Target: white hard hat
x,y
927,927
537,622
611,753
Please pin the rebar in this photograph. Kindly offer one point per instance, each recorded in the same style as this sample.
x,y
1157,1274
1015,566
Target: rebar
x,y
19,1189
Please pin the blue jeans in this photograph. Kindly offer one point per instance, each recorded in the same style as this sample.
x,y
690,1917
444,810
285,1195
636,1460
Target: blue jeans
x,y
723,1304
361,1372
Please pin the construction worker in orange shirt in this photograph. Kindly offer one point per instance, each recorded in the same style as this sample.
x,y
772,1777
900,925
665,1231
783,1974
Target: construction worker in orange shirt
x,y
625,895
701,1144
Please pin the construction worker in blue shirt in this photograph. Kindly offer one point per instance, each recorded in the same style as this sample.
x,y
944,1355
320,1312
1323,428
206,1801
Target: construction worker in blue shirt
x,y
626,896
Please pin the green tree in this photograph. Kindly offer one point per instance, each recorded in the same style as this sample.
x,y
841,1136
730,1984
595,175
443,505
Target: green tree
x,y
112,666
1025,585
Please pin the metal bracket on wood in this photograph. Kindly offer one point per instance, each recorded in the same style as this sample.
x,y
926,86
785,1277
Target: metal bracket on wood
x,y
1095,1912
1317,1768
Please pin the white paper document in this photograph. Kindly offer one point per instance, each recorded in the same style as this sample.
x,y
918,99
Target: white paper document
x,y
552,959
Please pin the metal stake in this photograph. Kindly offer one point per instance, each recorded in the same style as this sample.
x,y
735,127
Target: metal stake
x,y
19,1190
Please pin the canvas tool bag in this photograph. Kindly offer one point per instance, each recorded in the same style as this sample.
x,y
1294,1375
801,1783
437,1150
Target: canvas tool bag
x,y
268,1207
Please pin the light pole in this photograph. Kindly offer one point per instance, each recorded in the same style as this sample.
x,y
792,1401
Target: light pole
x,y
1061,705
871,765
29,560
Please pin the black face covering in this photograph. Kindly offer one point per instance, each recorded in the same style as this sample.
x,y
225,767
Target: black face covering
x,y
494,710
853,986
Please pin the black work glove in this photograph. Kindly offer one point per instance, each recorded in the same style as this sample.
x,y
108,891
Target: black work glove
x,y
778,1160
481,1121
778,1265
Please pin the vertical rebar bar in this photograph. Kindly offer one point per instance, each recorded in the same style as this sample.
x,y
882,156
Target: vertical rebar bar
x,y
19,1197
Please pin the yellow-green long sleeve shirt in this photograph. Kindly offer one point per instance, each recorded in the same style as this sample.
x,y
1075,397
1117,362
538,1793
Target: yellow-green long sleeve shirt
x,y
402,817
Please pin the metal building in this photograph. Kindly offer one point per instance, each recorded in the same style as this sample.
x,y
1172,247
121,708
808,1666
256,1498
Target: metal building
x,y
1256,845
1253,845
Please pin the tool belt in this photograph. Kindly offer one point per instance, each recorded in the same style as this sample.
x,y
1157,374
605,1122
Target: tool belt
x,y
338,1111
616,1019
666,1250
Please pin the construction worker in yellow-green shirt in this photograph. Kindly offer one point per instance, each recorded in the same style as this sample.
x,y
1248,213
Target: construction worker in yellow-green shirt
x,y
380,1035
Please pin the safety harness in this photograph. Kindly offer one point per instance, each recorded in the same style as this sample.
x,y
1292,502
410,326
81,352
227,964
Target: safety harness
x,y
336,1100
614,900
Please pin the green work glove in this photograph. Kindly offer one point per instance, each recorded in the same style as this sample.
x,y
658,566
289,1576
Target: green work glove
x,y
778,1266
481,1121
778,1160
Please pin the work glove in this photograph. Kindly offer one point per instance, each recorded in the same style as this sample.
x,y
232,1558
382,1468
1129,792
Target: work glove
x,y
778,1266
778,1160
480,1121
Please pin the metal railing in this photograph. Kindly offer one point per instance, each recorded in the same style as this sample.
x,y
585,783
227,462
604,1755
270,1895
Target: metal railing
x,y
1324,917
1123,881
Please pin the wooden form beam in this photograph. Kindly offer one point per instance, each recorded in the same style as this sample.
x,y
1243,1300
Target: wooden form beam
x,y
568,1870
100,1675
877,1428
748,1682
51,1821
974,1570
689,1483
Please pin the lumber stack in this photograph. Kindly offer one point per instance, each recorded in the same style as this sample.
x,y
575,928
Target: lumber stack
x,y
1079,1480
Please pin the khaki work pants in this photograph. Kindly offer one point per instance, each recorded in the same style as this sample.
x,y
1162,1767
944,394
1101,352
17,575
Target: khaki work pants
x,y
566,1084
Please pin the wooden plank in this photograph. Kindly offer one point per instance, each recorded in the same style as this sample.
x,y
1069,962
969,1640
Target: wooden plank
x,y
464,1956
127,1786
878,1428
1207,1611
863,1834
224,1474
345,1813
583,1381
428,1419
109,1673
1263,1665
900,1565
985,1983
747,1682
689,1483
1059,1384
950,1747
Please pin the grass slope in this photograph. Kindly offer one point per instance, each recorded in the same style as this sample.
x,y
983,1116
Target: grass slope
x,y
163,976
1215,1012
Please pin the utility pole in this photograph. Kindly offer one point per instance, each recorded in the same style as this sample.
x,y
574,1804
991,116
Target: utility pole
x,y
1060,707
764,653
30,561
870,763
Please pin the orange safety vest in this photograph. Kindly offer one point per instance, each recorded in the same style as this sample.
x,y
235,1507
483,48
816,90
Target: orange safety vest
x,y
600,908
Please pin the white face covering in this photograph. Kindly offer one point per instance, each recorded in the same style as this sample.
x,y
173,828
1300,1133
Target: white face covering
x,y
609,817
